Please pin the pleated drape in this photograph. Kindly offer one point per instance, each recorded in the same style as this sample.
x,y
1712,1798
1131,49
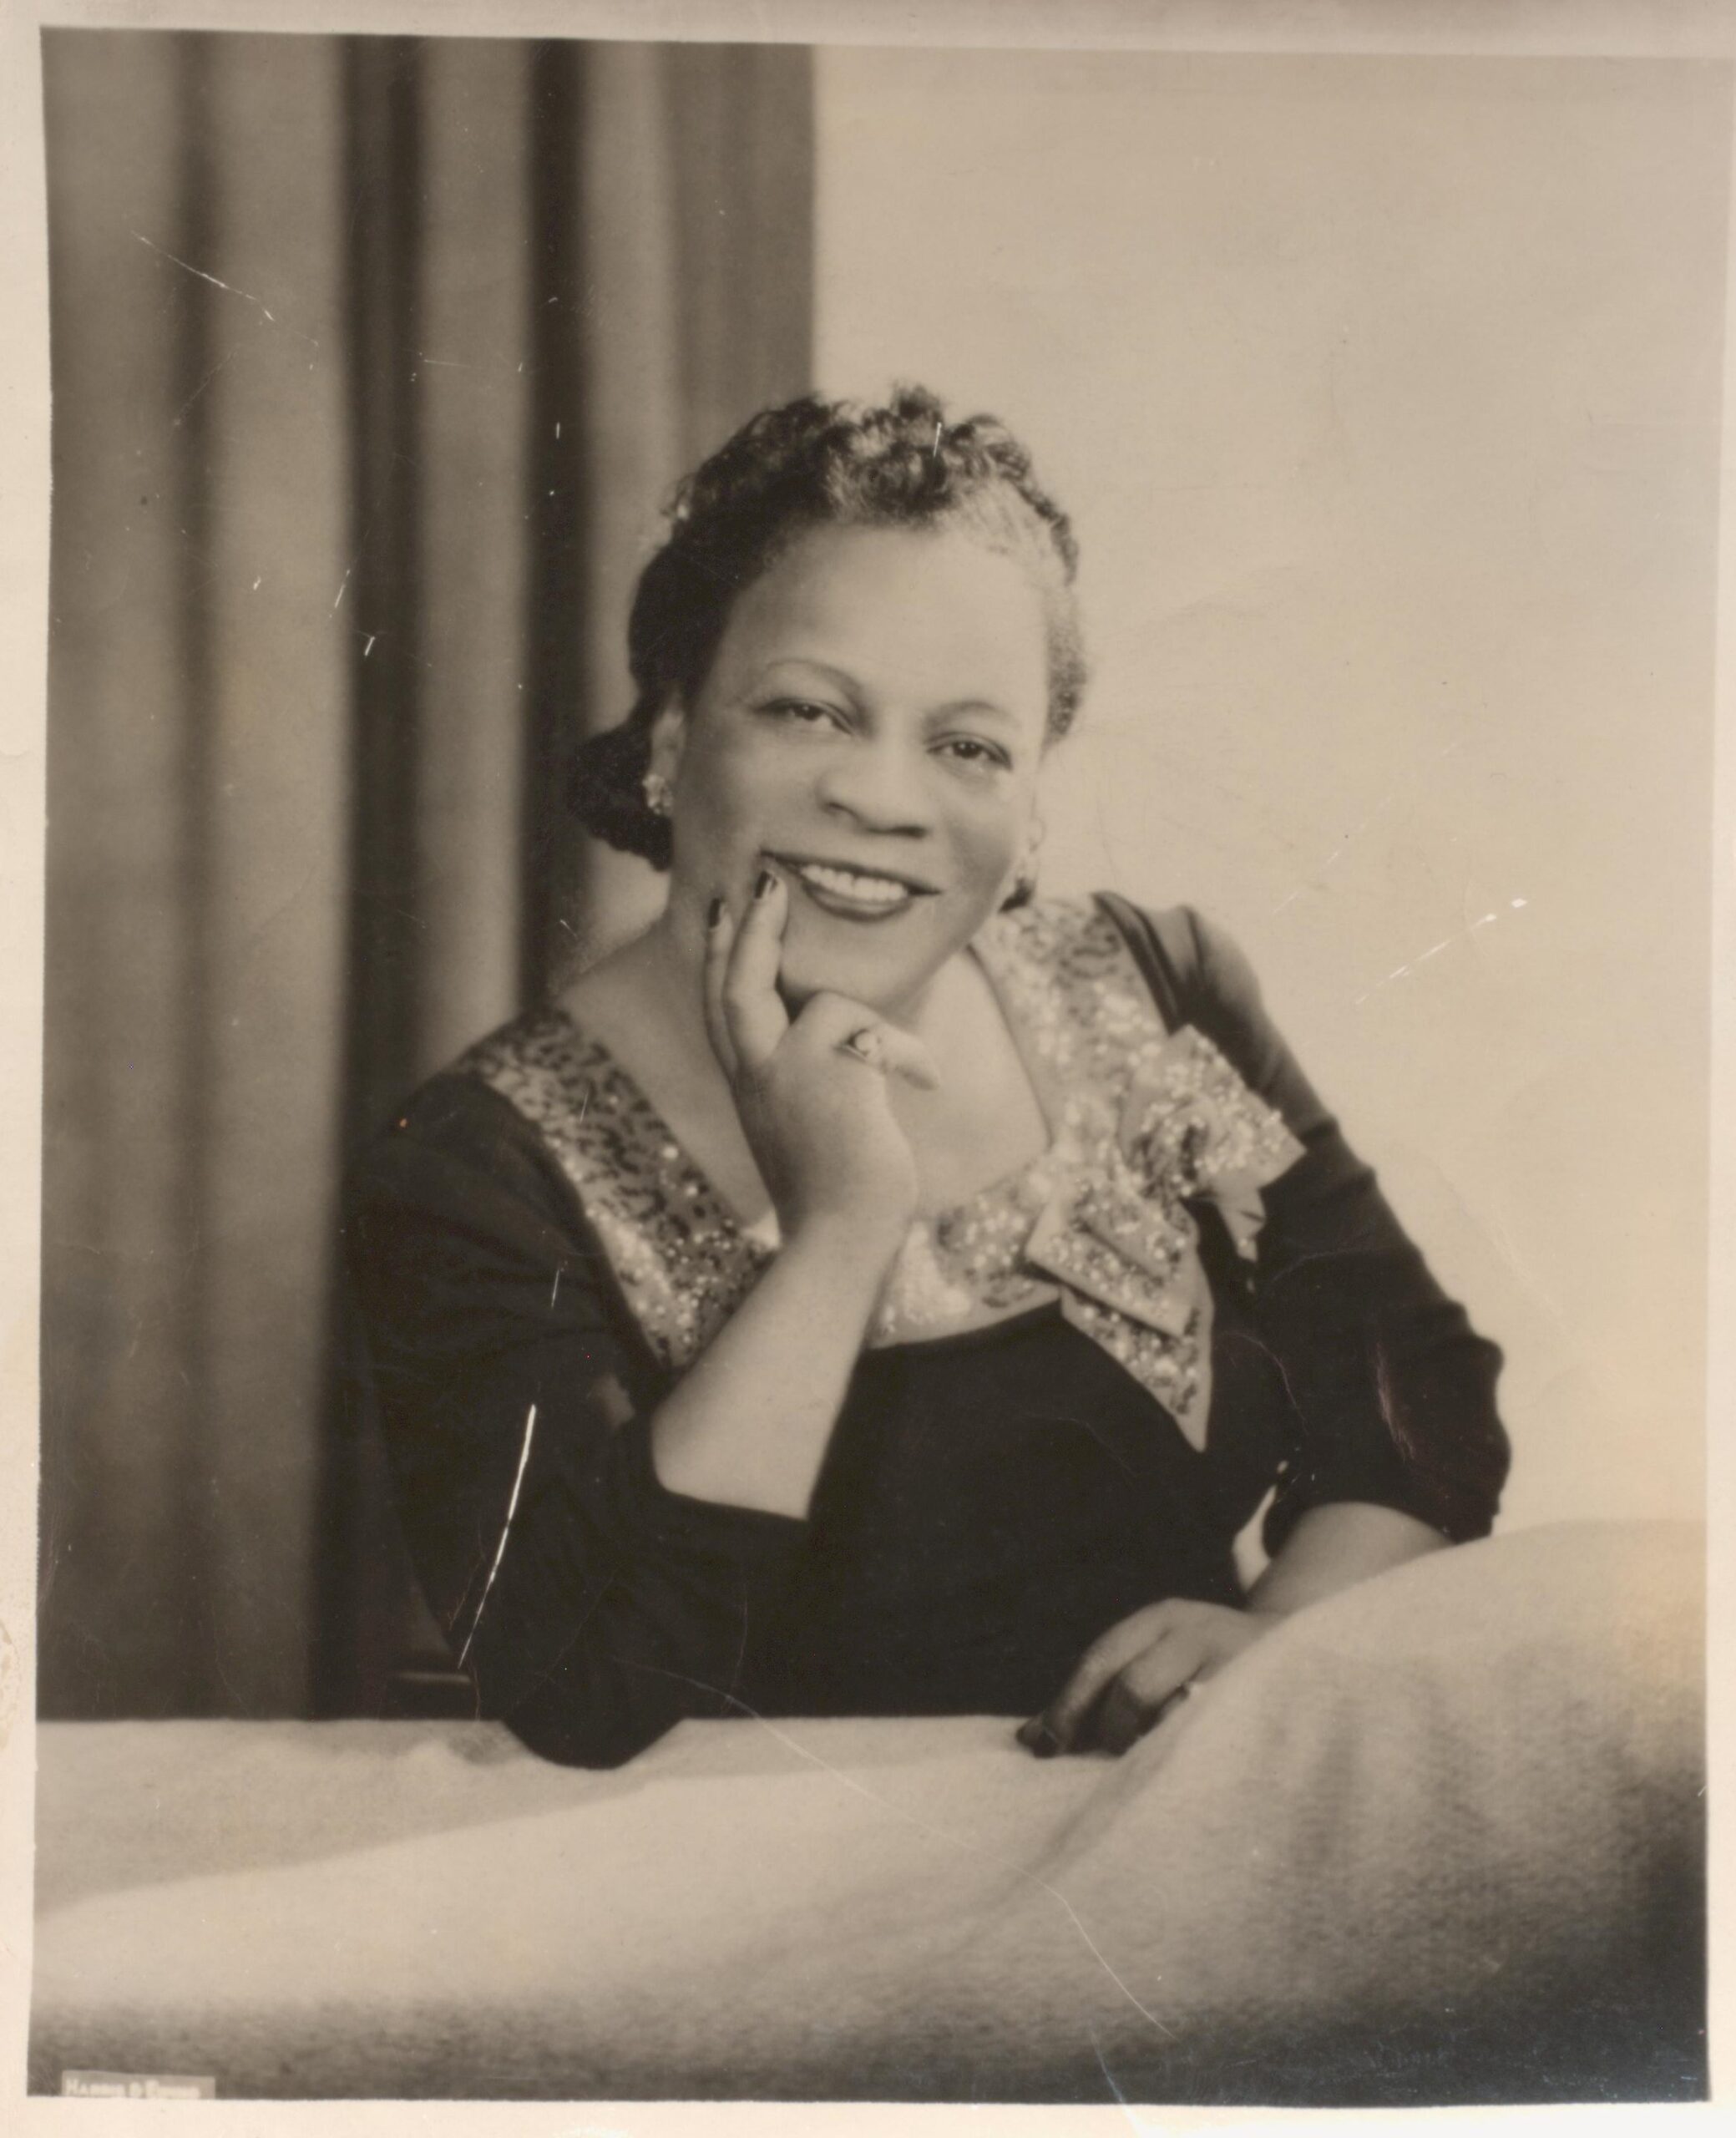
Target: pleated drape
x,y
371,360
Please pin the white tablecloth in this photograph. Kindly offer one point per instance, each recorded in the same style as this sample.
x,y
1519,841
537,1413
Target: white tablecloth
x,y
1437,1840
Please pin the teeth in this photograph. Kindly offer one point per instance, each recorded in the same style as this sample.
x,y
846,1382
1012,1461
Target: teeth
x,y
870,890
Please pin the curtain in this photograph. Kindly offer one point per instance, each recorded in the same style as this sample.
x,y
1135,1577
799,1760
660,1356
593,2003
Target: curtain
x,y
371,359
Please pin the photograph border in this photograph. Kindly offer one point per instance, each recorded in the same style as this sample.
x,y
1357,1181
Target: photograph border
x,y
1443,28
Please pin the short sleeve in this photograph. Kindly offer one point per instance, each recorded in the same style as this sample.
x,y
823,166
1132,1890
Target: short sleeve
x,y
1391,1392
592,1607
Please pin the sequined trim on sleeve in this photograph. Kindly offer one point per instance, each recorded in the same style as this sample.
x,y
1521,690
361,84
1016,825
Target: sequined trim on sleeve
x,y
682,1262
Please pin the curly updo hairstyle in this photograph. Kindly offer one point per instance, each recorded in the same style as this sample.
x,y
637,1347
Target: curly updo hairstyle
x,y
816,463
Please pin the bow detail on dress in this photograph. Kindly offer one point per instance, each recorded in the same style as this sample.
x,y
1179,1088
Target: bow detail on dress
x,y
1116,1234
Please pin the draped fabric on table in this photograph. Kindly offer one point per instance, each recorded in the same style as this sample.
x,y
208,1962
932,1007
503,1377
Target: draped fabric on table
x,y
372,360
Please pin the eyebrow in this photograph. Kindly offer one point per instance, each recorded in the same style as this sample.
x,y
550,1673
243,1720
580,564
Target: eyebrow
x,y
842,677
849,684
978,707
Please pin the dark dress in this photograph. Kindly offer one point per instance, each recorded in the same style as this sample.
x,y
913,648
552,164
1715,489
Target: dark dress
x,y
1220,1303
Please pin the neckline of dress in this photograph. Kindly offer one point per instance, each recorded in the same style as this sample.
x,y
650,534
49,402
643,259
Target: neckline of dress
x,y
763,1232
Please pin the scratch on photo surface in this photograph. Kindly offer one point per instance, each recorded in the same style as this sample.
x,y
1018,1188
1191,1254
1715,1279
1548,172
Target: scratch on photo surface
x,y
174,423
554,1290
214,282
1465,936
10,1677
1103,833
257,931
923,1825
237,1705
735,1675
1522,1268
218,283
1386,1389
1356,831
512,1508
1138,2123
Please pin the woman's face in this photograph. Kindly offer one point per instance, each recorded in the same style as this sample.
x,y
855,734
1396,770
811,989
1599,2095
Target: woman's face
x,y
871,728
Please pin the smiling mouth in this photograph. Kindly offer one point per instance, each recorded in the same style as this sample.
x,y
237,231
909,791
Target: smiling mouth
x,y
854,894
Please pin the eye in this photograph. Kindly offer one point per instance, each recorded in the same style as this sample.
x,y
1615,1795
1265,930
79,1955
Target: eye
x,y
972,751
802,713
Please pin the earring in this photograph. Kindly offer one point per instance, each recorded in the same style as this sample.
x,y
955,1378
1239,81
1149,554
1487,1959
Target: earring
x,y
1024,890
1024,886
659,795
1025,883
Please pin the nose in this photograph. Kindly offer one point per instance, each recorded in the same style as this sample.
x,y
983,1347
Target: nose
x,y
877,786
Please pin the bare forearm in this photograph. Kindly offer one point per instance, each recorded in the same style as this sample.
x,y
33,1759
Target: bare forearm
x,y
1333,1546
749,1424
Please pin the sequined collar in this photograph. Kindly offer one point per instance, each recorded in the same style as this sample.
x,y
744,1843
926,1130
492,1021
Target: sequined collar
x,y
1142,1121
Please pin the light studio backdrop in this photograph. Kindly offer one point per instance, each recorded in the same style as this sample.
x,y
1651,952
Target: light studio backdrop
x,y
1385,395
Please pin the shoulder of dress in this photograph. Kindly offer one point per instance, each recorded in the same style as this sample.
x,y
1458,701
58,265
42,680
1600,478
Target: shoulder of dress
x,y
1060,926
459,1135
531,1035
538,1060
1053,933
518,1087
1103,940
1071,986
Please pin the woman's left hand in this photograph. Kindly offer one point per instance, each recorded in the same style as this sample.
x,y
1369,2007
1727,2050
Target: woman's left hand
x,y
1131,1676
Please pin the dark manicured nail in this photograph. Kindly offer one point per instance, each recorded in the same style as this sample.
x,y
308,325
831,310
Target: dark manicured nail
x,y
1044,1742
766,884
715,911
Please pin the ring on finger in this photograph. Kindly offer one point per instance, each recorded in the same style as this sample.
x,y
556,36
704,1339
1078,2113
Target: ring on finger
x,y
864,1044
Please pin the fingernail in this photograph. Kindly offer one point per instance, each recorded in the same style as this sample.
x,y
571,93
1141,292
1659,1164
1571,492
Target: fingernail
x,y
715,911
1044,1742
766,884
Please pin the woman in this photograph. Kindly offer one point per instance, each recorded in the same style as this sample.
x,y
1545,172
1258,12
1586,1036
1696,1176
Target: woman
x,y
871,1290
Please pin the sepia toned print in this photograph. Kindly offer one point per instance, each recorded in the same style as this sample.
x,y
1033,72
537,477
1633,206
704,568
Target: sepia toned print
x,y
875,1154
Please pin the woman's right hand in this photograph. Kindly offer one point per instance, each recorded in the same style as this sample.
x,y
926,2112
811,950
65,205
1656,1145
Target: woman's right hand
x,y
811,1091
